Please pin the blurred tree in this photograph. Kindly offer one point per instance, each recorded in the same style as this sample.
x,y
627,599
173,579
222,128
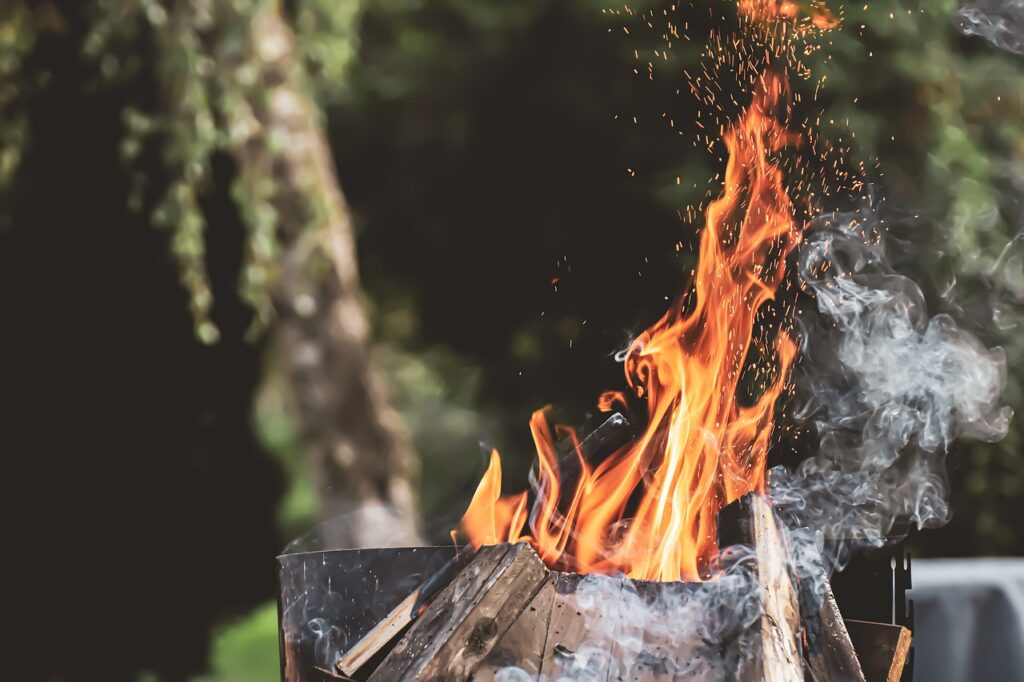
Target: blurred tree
x,y
233,80
198,97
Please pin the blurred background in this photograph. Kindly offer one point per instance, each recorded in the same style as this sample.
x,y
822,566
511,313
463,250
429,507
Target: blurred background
x,y
269,263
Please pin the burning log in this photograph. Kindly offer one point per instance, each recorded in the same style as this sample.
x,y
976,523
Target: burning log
x,y
392,625
523,644
501,606
831,655
749,520
468,617
835,649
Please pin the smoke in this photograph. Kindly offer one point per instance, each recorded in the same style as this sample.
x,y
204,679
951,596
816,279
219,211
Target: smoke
x,y
641,630
887,388
1000,22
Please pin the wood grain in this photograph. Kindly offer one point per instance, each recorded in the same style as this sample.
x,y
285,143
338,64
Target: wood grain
x,y
830,654
380,636
467,618
568,630
523,644
882,649
780,619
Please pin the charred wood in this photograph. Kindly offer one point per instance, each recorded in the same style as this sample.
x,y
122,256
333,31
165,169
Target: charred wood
x,y
468,617
830,653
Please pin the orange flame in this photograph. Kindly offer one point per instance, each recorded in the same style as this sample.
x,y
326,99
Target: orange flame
x,y
649,510
774,10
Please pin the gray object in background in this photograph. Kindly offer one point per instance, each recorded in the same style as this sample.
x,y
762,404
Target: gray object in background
x,y
969,620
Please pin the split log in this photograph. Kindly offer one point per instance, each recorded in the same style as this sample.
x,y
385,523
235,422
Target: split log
x,y
382,634
600,637
831,656
612,434
394,624
882,649
468,617
567,630
780,620
362,459
750,520
523,645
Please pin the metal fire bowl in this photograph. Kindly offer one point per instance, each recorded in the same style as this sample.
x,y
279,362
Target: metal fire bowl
x,y
329,600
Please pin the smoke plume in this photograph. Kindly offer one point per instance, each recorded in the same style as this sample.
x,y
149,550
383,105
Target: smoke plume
x,y
887,388
1000,22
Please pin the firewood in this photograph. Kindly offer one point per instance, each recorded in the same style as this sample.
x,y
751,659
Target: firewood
x,y
882,649
830,654
567,630
393,624
780,621
613,433
750,520
380,636
523,645
463,623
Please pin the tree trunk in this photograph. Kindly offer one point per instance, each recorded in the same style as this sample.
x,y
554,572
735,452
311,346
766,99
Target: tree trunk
x,y
362,460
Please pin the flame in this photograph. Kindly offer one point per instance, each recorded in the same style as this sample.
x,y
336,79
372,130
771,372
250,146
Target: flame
x,y
775,10
649,509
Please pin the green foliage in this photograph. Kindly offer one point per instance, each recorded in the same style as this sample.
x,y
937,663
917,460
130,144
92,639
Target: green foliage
x,y
18,32
246,650
275,423
325,31
209,65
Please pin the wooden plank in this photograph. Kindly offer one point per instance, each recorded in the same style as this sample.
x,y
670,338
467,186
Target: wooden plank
x,y
780,619
830,653
659,657
882,649
620,631
612,434
380,636
750,520
511,593
468,584
523,645
393,624
461,626
569,632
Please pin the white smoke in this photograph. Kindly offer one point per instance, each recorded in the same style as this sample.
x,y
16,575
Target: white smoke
x,y
639,630
887,387
1000,22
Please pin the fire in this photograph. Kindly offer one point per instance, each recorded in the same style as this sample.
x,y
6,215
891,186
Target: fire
x,y
649,510
774,10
